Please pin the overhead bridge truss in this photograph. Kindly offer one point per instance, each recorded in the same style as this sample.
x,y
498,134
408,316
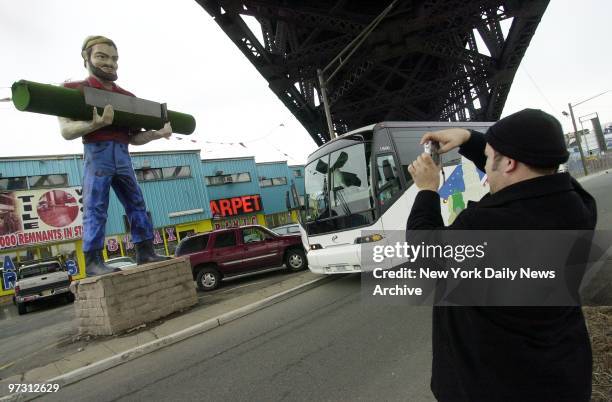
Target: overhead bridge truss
x,y
435,60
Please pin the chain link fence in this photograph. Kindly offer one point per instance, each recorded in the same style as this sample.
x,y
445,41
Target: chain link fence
x,y
594,164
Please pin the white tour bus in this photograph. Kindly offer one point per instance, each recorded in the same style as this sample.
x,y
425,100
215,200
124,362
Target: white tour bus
x,y
360,182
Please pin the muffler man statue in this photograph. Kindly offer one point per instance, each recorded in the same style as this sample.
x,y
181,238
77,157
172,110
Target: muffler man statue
x,y
107,161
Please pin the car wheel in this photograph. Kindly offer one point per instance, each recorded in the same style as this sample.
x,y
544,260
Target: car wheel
x,y
22,308
295,260
70,297
208,279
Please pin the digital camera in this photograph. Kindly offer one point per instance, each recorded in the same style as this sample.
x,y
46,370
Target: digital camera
x,y
432,148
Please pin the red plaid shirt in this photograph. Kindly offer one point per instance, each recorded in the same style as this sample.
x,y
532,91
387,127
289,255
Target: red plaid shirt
x,y
108,133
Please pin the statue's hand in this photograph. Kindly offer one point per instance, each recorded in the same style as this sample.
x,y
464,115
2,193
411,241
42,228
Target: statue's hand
x,y
106,119
165,131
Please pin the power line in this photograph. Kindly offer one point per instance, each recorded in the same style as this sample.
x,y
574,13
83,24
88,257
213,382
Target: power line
x,y
540,91
243,145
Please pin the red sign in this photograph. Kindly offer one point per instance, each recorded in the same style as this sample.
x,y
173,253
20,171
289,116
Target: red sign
x,y
236,205
40,216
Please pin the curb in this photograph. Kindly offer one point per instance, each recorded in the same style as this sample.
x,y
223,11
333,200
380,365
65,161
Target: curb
x,y
138,351
593,175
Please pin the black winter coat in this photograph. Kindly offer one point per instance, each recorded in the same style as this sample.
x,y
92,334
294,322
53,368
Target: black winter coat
x,y
511,353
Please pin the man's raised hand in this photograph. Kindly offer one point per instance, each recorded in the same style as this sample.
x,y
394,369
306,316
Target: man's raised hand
x,y
448,139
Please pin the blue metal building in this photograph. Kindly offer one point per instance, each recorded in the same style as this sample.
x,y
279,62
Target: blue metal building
x,y
183,193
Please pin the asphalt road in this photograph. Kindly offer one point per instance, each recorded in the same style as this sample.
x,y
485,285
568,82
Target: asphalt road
x,y
600,187
47,332
323,344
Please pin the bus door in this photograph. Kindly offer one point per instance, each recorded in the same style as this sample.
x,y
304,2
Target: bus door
x,y
388,189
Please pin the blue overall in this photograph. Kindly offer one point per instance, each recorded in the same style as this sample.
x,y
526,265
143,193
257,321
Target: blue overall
x,y
108,163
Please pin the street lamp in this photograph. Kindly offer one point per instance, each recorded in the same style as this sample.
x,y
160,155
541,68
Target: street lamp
x,y
578,140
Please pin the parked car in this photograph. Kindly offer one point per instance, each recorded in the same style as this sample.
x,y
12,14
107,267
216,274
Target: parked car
x,y
291,229
232,252
41,281
121,262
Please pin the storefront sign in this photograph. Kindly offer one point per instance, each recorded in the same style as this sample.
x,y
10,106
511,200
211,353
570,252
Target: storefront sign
x,y
245,204
39,216
235,222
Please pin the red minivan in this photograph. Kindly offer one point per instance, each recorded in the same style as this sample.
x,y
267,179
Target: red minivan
x,y
231,252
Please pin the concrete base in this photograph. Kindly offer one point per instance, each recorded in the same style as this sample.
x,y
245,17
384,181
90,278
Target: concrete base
x,y
112,303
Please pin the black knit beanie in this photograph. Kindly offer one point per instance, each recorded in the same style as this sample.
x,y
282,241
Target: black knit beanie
x,y
530,136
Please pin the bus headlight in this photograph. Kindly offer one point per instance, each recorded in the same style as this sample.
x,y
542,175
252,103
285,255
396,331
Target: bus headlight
x,y
368,239
316,247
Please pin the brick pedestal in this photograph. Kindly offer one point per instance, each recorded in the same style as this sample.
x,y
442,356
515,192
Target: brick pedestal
x,y
112,303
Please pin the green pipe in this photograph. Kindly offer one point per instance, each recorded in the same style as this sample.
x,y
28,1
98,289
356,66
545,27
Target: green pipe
x,y
54,100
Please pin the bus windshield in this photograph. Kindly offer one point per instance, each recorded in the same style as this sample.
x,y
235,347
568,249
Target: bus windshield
x,y
338,190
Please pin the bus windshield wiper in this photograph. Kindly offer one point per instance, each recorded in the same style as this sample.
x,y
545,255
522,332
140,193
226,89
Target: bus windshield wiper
x,y
339,196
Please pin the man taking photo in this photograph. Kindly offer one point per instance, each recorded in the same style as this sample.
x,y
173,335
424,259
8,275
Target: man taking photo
x,y
509,353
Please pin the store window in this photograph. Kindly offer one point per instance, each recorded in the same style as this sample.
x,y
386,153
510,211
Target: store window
x,y
158,243
171,239
148,174
13,183
112,247
166,173
186,233
297,173
48,180
176,172
27,255
221,179
275,181
278,219
128,247
45,252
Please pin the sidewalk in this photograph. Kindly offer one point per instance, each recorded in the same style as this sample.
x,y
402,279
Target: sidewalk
x,y
102,353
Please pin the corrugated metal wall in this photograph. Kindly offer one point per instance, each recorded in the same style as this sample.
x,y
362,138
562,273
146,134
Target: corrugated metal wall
x,y
274,196
210,167
70,165
162,197
298,179
166,196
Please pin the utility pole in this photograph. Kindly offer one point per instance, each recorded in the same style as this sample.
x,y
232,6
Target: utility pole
x,y
578,140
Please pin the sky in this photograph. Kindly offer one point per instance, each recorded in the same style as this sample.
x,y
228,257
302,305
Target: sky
x,y
174,52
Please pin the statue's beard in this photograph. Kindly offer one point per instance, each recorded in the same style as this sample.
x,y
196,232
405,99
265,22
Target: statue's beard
x,y
98,72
